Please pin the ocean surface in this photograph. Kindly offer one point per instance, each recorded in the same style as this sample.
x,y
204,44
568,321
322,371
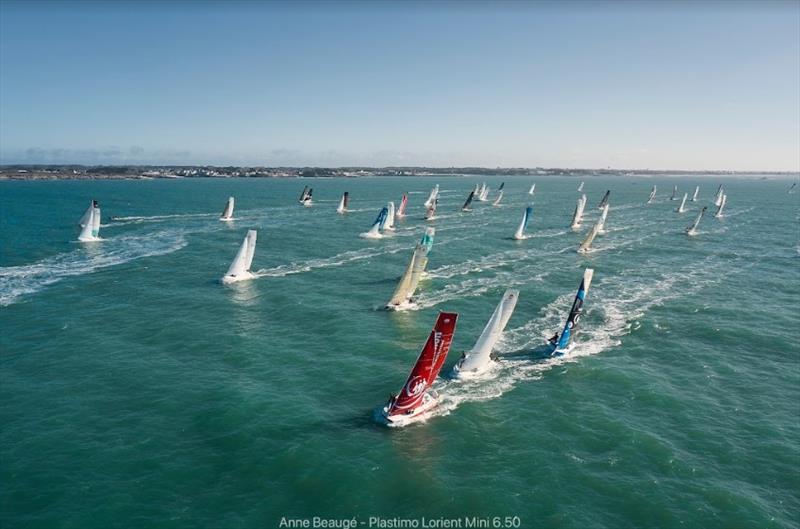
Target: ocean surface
x,y
137,391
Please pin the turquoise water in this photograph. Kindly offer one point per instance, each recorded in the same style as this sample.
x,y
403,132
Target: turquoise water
x,y
137,391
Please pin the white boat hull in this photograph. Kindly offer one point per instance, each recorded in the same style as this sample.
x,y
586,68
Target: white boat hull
x,y
244,276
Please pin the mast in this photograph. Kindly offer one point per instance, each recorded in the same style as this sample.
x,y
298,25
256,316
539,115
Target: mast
x,y
696,191
604,200
575,312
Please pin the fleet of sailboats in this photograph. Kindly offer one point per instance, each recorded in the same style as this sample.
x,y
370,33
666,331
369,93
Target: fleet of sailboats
x,y
417,396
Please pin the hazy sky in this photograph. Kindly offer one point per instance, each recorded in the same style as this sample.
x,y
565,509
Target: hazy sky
x,y
683,85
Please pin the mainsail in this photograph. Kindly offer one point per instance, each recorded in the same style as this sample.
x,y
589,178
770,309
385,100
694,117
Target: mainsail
x,y
90,223
577,216
498,199
561,342
483,194
433,196
227,213
692,230
674,193
467,202
718,196
526,217
478,358
389,224
602,222
240,267
604,200
696,191
303,195
586,245
375,231
430,213
532,189
652,195
682,207
414,397
580,187
401,211
343,203
722,202
408,283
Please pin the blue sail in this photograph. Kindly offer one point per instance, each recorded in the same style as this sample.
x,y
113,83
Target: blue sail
x,y
575,313
528,215
381,219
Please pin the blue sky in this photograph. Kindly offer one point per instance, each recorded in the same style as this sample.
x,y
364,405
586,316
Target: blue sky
x,y
681,85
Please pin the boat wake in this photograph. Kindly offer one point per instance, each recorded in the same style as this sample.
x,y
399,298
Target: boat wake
x,y
18,281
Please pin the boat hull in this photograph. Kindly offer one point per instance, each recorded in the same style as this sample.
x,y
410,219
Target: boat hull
x,y
421,413
228,279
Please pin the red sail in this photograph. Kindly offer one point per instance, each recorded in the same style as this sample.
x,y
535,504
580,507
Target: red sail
x,y
428,365
403,202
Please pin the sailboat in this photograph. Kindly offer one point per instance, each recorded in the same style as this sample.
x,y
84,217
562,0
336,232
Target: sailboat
x,y
652,195
433,196
227,213
674,193
682,207
90,223
303,194
790,191
526,217
477,360
604,200
560,343
240,267
389,224
402,297
580,186
692,230
401,210
577,216
343,203
416,397
722,202
502,185
467,202
305,198
586,245
498,199
430,212
696,191
375,231
718,196
602,222
483,194
532,189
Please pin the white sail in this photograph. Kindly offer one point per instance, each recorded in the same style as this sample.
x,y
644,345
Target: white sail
x,y
696,191
90,224
401,298
478,358
580,187
692,230
577,216
718,197
526,217
430,213
433,196
389,225
483,193
498,199
674,193
722,202
652,195
602,222
586,245
342,208
682,207
240,267
227,213
532,189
